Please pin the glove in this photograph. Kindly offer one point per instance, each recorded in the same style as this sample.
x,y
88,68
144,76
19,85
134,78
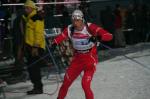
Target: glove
x,y
53,47
93,39
35,51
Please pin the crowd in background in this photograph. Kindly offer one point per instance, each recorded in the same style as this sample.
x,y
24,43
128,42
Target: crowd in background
x,y
125,23
128,24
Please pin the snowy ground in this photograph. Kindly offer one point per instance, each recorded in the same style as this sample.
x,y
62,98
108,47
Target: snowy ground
x,y
121,74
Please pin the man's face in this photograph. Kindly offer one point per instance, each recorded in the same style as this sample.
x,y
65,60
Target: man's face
x,y
28,10
77,23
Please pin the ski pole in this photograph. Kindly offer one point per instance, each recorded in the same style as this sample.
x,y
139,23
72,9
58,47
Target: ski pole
x,y
106,46
53,60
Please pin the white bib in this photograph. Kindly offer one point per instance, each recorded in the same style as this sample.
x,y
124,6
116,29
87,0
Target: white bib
x,y
80,39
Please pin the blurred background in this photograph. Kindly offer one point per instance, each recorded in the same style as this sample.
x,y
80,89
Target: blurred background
x,y
130,17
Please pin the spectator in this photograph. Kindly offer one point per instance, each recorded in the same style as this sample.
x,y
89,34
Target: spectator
x,y
130,25
144,22
34,45
65,19
85,8
107,19
18,32
119,36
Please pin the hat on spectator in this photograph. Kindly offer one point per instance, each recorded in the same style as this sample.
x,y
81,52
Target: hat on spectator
x,y
30,3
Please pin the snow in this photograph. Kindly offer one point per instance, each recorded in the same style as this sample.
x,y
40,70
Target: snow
x,y
122,73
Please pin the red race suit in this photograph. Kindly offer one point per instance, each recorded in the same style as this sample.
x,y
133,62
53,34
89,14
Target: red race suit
x,y
85,56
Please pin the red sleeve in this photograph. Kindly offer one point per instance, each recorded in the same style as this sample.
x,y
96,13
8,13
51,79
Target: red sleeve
x,y
61,37
100,32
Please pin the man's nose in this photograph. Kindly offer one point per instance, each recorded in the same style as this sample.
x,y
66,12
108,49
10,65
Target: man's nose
x,y
75,23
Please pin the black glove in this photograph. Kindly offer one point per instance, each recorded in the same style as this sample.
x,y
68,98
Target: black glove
x,y
35,51
53,47
93,39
